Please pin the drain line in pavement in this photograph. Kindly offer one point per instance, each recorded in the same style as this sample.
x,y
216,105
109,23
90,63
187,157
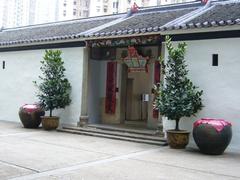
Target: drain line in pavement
x,y
64,170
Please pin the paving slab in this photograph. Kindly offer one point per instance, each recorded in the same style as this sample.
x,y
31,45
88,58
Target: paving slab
x,y
8,171
13,128
134,169
42,157
227,164
94,144
37,154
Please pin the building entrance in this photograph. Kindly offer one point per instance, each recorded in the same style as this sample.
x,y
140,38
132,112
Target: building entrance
x,y
137,97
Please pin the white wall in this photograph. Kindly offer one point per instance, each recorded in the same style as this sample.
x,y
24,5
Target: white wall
x,y
22,68
220,84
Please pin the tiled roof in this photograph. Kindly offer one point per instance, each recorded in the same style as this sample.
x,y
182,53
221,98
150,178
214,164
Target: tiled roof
x,y
214,14
51,31
147,20
218,15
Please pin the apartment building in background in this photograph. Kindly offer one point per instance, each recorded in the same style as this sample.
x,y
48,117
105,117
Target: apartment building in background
x,y
72,9
15,13
45,11
104,7
99,7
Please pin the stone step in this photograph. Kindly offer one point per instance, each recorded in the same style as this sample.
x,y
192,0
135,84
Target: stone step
x,y
119,129
117,133
96,134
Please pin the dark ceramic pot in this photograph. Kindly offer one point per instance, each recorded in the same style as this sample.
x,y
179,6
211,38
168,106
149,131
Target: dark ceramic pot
x,y
30,115
212,136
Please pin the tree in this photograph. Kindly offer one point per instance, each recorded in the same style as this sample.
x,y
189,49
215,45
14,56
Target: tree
x,y
54,89
177,97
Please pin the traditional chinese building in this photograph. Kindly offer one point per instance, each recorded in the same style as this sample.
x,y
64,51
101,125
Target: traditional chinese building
x,y
111,62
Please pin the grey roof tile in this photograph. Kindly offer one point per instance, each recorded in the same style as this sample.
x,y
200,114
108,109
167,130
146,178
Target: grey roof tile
x,y
220,13
147,22
53,31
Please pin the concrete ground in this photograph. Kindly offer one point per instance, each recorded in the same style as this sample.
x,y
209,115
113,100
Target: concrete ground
x,y
40,155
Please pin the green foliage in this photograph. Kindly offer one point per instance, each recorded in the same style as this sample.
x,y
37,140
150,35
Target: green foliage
x,y
177,97
54,89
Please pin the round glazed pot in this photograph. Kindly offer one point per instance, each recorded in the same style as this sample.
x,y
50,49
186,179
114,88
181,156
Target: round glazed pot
x,y
50,123
177,139
30,115
212,136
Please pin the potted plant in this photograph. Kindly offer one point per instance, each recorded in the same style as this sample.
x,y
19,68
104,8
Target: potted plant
x,y
54,89
177,97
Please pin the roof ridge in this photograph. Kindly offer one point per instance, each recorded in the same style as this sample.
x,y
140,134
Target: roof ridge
x,y
170,6
99,28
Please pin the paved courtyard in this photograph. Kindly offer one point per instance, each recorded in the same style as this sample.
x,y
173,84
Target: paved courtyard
x,y
39,155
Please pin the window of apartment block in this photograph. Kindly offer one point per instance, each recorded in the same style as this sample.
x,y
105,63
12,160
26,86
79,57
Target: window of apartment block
x,y
64,13
98,8
114,3
105,9
74,2
85,13
74,12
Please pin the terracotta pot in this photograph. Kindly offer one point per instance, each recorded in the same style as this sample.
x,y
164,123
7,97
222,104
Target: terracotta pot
x,y
212,136
30,115
50,123
177,139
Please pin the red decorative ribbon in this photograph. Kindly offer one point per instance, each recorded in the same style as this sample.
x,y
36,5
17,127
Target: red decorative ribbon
x,y
110,101
218,124
157,71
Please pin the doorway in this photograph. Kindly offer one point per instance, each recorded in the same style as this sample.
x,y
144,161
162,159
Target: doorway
x,y
136,99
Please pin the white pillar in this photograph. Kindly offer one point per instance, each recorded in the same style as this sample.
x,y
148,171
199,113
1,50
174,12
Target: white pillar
x,y
83,120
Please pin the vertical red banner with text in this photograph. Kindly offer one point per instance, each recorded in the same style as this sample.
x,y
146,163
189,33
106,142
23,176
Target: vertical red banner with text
x,y
157,74
110,101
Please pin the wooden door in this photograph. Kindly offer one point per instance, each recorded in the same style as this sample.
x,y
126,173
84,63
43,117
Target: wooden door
x,y
129,99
